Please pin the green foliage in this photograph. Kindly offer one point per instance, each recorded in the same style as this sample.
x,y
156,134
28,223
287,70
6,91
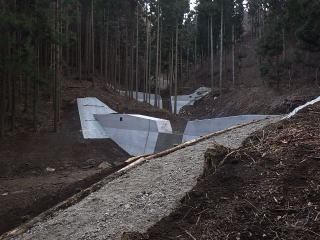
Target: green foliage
x,y
308,31
233,17
294,22
34,21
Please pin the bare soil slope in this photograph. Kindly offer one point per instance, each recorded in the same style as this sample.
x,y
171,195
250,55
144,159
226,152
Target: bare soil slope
x,y
267,189
257,100
27,188
138,198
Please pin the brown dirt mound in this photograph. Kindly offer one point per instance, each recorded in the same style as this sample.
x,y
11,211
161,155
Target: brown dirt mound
x,y
30,154
267,189
257,100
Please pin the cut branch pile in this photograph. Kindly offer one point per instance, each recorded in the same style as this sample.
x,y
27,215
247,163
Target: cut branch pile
x,y
267,189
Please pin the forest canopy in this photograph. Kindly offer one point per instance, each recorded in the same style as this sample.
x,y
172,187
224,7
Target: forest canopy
x,y
131,45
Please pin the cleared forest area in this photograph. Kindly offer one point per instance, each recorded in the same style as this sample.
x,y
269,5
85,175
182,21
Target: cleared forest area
x,y
256,56
154,47
39,170
266,189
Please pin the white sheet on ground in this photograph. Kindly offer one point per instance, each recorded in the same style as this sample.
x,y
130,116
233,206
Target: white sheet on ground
x,y
294,112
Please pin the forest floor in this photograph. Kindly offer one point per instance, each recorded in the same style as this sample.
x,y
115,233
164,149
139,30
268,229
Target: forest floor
x,y
40,169
266,189
136,199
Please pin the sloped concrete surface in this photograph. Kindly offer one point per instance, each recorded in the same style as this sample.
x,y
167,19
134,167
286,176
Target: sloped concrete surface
x,y
197,128
136,134
138,199
163,125
87,107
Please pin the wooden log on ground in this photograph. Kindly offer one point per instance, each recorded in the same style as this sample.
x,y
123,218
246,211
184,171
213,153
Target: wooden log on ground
x,y
95,187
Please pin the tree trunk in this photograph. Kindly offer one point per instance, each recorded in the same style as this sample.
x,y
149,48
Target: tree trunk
x,y
195,61
127,63
187,70
88,44
92,42
284,44
137,53
208,46
181,65
317,73
233,60
160,69
149,72
56,70
290,78
171,70
36,93
176,72
157,59
106,61
132,72
2,107
79,44
145,97
221,51
211,68
102,30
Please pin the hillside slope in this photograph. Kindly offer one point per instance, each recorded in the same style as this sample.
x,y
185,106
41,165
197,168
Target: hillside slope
x,y
256,100
27,188
136,199
267,189
252,93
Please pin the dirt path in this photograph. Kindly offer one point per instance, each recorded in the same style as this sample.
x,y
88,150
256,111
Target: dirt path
x,y
138,199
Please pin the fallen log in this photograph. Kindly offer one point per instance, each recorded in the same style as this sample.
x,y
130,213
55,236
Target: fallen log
x,y
184,145
132,159
95,187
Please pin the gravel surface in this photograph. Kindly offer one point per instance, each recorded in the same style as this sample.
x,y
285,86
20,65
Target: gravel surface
x,y
138,199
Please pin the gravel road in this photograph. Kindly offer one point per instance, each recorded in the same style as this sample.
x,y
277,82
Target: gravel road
x,y
138,199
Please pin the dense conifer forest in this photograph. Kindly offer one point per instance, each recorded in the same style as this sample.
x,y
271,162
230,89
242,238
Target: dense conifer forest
x,y
196,90
134,45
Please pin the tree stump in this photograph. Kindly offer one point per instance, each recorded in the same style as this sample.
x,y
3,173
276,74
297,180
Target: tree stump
x,y
213,156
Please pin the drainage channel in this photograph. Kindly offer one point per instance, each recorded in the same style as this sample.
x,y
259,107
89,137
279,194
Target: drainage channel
x,y
125,190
